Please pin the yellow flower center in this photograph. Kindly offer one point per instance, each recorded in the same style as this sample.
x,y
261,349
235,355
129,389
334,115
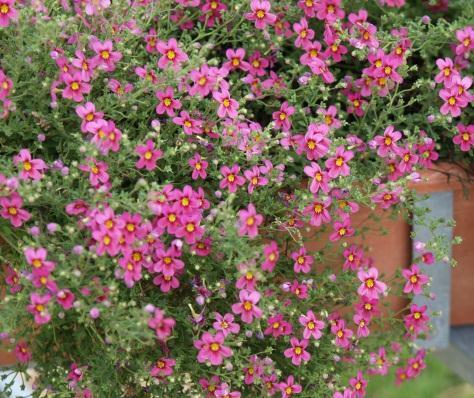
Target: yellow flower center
x,y
247,305
370,283
130,266
27,166
202,81
235,61
39,308
311,144
342,231
74,86
226,103
250,221
413,279
167,260
167,101
387,141
260,14
387,70
190,227
107,240
298,350
466,137
172,218
148,155
4,9
340,333
215,347
339,161
12,211
452,101
171,55
310,325
105,54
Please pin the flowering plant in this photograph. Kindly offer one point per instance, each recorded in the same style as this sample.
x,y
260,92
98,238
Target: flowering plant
x,y
166,165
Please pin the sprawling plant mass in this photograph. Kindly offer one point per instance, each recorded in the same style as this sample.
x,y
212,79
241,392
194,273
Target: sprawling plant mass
x,y
179,180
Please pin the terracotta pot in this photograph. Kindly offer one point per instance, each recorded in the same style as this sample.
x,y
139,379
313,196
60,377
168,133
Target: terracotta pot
x,y
448,177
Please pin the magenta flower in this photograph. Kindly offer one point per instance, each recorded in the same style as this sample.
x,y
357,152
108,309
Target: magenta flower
x,y
203,79
297,352
37,259
289,388
415,280
386,144
353,257
7,12
38,308
277,326
231,178
359,384
465,137
190,229
235,60
342,334
227,106
329,10
163,367
370,287
304,33
88,114
261,14
211,348
190,125
105,57
11,209
161,325
199,166
272,255
255,178
337,165
167,102
282,116
168,261
312,325
319,178
453,101
75,86
362,325
386,199
303,261
314,142
170,54
342,229
65,298
466,40
22,352
247,307
148,155
347,393
225,324
319,212
93,7
447,72
249,221
29,168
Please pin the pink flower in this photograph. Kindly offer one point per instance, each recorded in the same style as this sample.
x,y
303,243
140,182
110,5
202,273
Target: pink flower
x,y
249,221
75,86
329,10
168,261
225,324
7,12
337,165
466,40
11,209
353,257
453,101
93,7
29,168
359,384
277,326
305,34
255,178
370,287
235,60
362,325
171,54
260,14
347,393
342,229
319,178
231,178
105,57
415,280
386,199
297,352
386,143
105,135
227,106
224,392
204,80
161,325
199,166
281,117
447,72
211,348
247,308
303,261
167,103
272,255
65,298
343,334
318,210
312,325
148,155
163,367
38,308
288,388
22,352
465,137
314,142
89,115
190,125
